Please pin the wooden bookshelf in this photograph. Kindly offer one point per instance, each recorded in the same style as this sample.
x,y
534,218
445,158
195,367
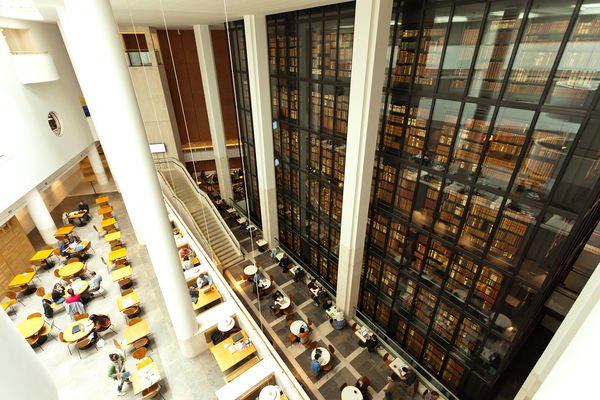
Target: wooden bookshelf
x,y
386,183
453,373
460,277
406,47
433,357
416,130
345,54
392,135
405,191
453,207
468,335
437,262
430,53
487,288
509,235
414,342
330,54
424,305
446,321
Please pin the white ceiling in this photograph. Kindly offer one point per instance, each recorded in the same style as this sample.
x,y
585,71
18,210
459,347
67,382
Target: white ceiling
x,y
185,13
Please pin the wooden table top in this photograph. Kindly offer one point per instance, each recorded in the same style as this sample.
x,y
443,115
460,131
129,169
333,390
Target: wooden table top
x,y
109,237
22,279
207,298
30,327
115,255
83,333
138,382
70,269
121,273
104,210
135,332
107,222
224,358
65,230
101,200
133,296
41,255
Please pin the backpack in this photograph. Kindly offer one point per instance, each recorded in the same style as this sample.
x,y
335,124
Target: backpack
x,y
194,293
48,311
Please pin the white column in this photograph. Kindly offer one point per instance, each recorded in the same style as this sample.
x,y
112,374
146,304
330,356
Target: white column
x,y
371,30
210,84
22,374
97,166
41,216
104,79
255,27
566,369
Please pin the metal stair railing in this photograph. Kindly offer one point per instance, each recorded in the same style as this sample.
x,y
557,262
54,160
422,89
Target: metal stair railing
x,y
164,164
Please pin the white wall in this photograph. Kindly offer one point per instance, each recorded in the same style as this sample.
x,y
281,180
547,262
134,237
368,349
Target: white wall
x,y
33,151
53,196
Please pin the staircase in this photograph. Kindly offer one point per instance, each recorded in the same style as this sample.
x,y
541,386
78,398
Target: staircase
x,y
216,233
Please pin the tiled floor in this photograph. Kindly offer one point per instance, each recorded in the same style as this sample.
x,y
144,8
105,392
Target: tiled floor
x,y
183,378
350,361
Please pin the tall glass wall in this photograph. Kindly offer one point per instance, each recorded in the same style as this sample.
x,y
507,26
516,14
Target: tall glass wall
x,y
488,158
310,60
244,115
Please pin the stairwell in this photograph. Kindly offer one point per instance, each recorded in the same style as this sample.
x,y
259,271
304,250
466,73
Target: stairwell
x,y
210,222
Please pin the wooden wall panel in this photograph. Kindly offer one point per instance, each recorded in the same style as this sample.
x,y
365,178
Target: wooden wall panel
x,y
185,57
15,251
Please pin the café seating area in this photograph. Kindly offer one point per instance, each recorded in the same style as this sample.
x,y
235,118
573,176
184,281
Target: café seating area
x,y
342,361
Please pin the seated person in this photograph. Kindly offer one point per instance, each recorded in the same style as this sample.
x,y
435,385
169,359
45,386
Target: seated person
x,y
322,296
84,207
315,367
255,280
328,303
363,387
187,263
57,294
274,252
430,395
284,263
48,311
298,273
101,322
277,297
63,249
408,380
72,297
203,280
94,281
303,334
185,252
370,343
339,322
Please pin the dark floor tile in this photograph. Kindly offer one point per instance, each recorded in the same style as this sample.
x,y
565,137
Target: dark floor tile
x,y
247,245
343,341
265,260
315,313
343,376
372,366
239,234
280,277
300,293
281,329
330,390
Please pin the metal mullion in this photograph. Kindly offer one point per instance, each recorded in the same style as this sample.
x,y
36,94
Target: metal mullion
x,y
393,47
529,134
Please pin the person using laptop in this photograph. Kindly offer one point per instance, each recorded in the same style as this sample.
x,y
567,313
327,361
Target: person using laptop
x,y
203,280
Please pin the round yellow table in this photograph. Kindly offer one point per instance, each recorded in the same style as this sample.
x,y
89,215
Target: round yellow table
x,y
70,269
81,244
83,333
31,326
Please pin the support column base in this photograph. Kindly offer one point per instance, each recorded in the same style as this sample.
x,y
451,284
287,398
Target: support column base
x,y
193,346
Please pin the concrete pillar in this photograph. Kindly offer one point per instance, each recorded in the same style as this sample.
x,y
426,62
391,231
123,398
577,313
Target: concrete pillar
x,y
371,30
565,369
258,70
41,216
22,374
105,82
210,84
97,166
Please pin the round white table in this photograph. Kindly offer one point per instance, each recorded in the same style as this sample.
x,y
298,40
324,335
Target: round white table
x,y
78,286
296,325
351,393
269,393
325,356
284,303
250,270
226,324
264,283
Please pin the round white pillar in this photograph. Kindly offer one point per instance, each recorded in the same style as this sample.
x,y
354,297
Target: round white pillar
x,y
41,216
102,73
22,374
97,166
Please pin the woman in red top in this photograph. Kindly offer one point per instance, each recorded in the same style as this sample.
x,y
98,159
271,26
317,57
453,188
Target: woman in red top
x,y
73,298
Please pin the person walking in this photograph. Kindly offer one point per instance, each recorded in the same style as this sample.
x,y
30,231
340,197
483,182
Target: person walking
x,y
390,387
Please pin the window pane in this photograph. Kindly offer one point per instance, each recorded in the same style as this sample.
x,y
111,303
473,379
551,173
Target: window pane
x,y
546,25
405,191
468,336
504,20
430,48
433,357
486,290
480,221
461,276
446,320
464,31
418,114
441,132
582,171
504,147
407,32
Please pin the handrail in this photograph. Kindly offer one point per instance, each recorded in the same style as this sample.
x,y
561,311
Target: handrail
x,y
168,161
171,198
